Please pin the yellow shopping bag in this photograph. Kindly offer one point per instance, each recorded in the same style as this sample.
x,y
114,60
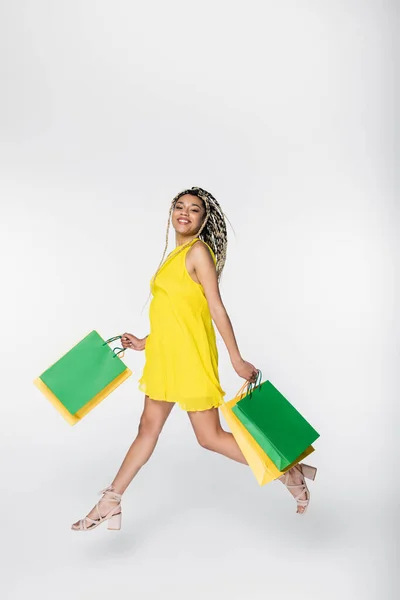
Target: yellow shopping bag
x,y
262,466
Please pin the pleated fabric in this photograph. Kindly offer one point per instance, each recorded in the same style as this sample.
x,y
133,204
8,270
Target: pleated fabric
x,y
181,357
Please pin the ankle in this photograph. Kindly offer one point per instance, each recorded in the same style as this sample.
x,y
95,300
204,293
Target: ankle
x,y
117,489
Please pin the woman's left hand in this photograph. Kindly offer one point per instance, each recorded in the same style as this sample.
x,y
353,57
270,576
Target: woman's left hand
x,y
128,340
246,370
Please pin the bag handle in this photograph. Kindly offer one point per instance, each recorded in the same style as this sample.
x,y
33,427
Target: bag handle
x,y
241,391
117,337
251,385
119,351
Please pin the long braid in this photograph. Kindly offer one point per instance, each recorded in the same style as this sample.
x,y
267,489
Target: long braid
x,y
215,232
166,237
212,231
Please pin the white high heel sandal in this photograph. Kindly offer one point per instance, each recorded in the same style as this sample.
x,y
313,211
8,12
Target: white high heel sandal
x,y
113,516
306,471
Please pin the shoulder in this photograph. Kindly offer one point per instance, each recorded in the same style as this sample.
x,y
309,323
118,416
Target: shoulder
x,y
200,254
201,250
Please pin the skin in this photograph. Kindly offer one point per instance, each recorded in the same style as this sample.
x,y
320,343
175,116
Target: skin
x,y
206,424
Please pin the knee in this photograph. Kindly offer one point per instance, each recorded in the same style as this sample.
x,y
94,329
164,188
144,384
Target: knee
x,y
208,441
149,427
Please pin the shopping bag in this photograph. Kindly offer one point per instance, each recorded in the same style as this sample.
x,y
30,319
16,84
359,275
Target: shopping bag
x,y
259,462
83,377
281,431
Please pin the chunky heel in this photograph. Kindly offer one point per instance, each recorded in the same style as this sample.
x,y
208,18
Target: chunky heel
x,y
308,471
115,522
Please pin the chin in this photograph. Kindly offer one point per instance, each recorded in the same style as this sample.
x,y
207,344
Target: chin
x,y
183,229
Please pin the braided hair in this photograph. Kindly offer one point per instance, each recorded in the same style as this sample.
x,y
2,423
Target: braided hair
x,y
212,231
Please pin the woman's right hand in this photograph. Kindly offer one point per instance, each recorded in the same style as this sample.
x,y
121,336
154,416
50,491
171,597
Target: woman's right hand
x,y
128,340
246,370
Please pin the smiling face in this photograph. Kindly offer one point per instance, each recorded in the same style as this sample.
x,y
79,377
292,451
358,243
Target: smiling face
x,y
188,215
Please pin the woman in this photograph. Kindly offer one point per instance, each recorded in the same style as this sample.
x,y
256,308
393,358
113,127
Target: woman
x,y
181,354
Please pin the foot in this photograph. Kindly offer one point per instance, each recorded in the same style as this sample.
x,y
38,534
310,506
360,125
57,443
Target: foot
x,y
101,509
294,477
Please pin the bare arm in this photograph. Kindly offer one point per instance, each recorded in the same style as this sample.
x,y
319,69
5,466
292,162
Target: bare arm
x,y
200,261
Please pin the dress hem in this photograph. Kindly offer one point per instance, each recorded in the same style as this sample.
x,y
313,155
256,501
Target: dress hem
x,y
182,405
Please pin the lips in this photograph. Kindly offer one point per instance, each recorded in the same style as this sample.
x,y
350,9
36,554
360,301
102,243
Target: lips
x,y
183,221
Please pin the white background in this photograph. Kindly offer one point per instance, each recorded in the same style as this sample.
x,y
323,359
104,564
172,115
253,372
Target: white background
x,y
284,111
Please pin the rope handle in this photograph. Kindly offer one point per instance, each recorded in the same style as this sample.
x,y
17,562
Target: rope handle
x,y
117,337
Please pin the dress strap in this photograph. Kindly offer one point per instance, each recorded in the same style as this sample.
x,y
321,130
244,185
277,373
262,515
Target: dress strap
x,y
185,247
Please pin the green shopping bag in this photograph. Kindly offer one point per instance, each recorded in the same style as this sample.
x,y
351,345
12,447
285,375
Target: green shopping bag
x,y
83,377
281,431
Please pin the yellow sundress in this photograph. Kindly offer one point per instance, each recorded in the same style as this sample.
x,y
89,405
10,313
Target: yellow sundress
x,y
181,356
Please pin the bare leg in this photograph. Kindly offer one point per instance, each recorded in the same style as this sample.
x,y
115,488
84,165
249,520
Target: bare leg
x,y
210,435
153,418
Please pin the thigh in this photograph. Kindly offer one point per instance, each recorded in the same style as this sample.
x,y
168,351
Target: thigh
x,y
154,415
206,423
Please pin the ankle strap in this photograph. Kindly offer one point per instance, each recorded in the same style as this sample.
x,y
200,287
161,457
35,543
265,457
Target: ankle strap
x,y
110,493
